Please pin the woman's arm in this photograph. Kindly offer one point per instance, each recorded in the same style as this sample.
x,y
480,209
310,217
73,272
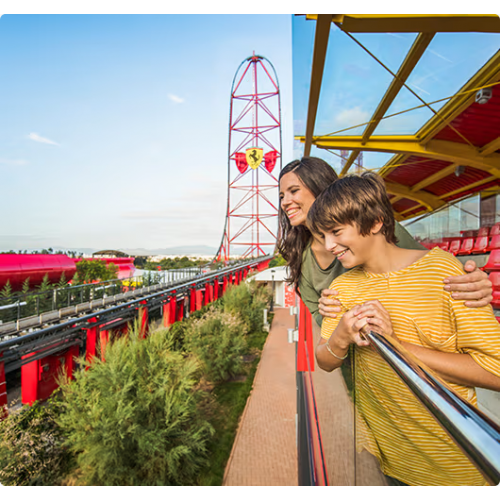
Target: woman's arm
x,y
456,368
474,287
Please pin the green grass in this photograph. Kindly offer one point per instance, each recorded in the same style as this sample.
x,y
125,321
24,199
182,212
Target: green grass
x,y
231,398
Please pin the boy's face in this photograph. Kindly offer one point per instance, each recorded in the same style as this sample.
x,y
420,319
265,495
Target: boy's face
x,y
348,245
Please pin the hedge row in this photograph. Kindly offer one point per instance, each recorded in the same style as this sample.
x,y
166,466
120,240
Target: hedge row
x,y
144,416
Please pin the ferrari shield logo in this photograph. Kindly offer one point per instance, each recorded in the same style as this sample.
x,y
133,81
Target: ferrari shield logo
x,y
254,157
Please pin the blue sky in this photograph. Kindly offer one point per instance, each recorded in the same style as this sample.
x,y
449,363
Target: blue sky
x,y
114,128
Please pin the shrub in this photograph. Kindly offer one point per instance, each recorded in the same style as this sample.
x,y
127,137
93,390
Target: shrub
x,y
248,300
218,341
32,449
137,419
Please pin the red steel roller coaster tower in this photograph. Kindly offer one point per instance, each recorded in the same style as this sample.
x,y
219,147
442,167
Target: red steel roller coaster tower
x,y
254,153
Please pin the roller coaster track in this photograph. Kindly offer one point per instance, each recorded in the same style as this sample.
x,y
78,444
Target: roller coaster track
x,y
58,334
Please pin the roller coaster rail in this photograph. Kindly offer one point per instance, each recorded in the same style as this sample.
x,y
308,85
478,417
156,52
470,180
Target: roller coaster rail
x,y
22,306
23,349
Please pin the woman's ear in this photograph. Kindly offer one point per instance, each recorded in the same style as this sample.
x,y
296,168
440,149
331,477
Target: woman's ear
x,y
377,227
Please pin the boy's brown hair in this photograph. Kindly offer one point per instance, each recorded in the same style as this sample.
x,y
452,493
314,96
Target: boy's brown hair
x,y
354,199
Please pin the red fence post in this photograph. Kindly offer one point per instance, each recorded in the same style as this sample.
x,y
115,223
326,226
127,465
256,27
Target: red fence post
x,y
224,285
3,392
305,337
91,342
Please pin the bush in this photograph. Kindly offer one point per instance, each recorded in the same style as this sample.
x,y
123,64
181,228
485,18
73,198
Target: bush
x,y
137,419
218,340
248,300
32,449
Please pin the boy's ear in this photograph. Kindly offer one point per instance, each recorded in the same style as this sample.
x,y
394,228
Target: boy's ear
x,y
377,227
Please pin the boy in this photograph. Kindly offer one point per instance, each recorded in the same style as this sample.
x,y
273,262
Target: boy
x,y
398,292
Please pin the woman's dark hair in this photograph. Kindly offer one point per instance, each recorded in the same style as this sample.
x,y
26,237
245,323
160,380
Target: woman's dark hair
x,y
316,175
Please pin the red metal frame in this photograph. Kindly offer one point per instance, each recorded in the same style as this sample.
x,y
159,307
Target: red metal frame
x,y
255,122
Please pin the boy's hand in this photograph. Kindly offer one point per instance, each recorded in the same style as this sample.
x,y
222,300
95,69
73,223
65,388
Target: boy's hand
x,y
348,330
329,306
374,314
474,287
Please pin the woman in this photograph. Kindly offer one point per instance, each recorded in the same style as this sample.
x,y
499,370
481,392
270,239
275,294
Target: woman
x,y
312,268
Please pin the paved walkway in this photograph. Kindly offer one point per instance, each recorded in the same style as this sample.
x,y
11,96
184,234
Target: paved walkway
x,y
264,451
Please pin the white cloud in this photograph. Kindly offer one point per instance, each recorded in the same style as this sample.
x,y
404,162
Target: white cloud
x,y
14,163
38,138
175,98
351,117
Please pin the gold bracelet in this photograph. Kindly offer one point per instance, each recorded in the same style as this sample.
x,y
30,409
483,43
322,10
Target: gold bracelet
x,y
333,354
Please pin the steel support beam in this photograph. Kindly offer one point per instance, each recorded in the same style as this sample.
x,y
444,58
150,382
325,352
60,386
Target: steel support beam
x,y
323,26
414,54
415,23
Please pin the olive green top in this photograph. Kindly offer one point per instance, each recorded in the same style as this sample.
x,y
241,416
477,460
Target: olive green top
x,y
313,278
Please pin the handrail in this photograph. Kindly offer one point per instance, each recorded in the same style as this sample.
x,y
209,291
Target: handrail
x,y
476,434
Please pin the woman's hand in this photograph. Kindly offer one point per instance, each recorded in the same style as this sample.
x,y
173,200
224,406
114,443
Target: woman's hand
x,y
474,287
376,317
328,305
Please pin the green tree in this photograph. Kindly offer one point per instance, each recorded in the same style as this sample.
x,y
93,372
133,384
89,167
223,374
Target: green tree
x,y
138,418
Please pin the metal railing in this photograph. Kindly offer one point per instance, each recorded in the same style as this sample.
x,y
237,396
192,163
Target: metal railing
x,y
20,306
476,435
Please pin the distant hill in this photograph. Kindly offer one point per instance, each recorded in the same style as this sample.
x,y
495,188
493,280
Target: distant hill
x,y
180,250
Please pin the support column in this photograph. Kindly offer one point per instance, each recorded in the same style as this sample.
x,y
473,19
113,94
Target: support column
x,y
180,310
29,381
69,361
91,341
199,299
216,288
192,300
173,308
3,391
104,340
166,314
143,320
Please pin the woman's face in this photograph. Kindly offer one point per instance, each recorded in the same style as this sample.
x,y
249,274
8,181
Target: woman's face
x,y
295,199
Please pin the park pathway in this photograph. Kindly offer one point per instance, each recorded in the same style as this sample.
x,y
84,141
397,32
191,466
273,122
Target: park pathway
x,y
264,452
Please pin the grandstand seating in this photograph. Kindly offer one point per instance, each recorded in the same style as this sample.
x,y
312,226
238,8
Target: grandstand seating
x,y
494,243
480,245
467,246
495,280
445,245
455,246
483,231
493,263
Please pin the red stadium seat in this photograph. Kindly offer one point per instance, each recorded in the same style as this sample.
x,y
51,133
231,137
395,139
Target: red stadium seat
x,y
481,244
455,246
483,231
495,230
494,277
494,243
493,263
467,245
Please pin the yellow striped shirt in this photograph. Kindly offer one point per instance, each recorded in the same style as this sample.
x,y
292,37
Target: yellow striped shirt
x,y
392,424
